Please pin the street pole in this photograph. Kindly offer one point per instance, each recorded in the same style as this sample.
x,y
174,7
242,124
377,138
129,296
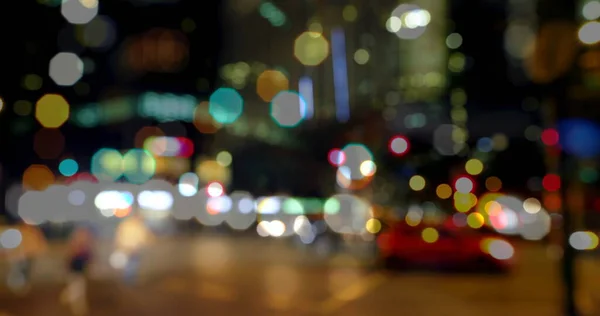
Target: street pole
x,y
569,253
553,67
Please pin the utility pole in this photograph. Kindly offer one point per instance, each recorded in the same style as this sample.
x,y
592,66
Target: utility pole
x,y
552,66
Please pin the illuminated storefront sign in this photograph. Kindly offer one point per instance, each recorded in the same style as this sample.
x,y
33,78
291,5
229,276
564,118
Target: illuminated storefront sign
x,y
169,146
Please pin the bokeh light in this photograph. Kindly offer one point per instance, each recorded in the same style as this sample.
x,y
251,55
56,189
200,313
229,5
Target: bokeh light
x,y
48,143
399,145
224,158
336,157
474,167
52,110
288,109
271,82
66,69
68,167
107,164
226,105
38,177
443,191
311,48
493,184
139,166
417,183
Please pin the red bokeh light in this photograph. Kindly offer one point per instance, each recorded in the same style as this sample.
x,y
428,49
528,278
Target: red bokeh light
x,y
551,182
186,147
399,145
215,189
336,157
550,137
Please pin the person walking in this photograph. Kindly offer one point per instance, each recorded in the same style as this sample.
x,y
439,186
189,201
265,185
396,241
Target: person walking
x,y
78,257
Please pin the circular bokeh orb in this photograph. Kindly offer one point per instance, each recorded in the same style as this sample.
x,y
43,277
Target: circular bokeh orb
x,y
288,109
79,11
100,33
52,110
107,164
225,105
408,21
356,155
311,48
139,166
271,82
68,167
66,69
399,145
444,142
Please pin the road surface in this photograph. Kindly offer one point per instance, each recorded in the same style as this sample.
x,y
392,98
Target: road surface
x,y
224,276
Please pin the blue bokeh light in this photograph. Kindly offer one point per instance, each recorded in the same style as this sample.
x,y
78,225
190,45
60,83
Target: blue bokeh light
x,y
68,167
226,105
579,137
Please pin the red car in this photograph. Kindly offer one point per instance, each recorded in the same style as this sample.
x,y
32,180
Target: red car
x,y
444,247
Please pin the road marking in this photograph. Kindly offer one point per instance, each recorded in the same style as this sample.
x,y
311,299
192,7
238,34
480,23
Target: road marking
x,y
352,292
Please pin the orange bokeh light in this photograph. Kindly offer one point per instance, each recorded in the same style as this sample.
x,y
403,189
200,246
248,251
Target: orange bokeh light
x,y
38,177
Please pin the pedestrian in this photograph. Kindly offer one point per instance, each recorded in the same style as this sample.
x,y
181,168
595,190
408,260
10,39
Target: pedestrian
x,y
78,258
131,239
29,243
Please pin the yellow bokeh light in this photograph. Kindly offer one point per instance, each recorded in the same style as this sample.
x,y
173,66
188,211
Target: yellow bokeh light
x,y
269,83
112,162
52,110
417,183
532,205
362,56
475,220
444,191
311,48
463,202
373,226
430,235
594,240
90,4
350,13
493,208
474,167
224,158
368,168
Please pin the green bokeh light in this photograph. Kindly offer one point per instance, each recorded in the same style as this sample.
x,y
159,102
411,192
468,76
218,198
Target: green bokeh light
x,y
139,166
226,105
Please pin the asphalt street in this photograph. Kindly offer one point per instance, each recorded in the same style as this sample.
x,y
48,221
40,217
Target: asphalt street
x,y
224,276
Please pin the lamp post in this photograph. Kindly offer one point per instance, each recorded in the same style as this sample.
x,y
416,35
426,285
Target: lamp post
x,y
552,67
